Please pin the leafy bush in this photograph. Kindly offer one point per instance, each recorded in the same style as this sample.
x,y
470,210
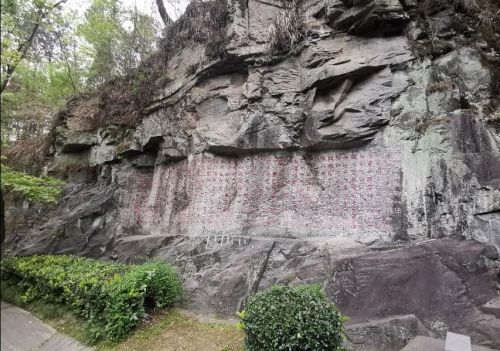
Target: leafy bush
x,y
42,189
292,318
111,297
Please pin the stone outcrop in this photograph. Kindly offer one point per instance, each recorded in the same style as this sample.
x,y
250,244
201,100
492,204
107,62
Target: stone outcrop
x,y
431,344
367,161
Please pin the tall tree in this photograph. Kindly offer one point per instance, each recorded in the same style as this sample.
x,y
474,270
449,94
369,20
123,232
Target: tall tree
x,y
138,40
117,39
101,30
18,17
36,93
68,55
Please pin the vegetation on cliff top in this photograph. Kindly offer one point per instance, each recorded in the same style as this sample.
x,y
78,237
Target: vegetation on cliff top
x,y
49,53
287,30
121,100
104,68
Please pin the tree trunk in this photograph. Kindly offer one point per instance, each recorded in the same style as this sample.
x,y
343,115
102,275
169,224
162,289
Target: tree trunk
x,y
163,12
66,59
8,74
2,225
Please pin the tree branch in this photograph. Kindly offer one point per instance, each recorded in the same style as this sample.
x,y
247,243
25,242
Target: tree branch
x,y
26,45
63,50
163,13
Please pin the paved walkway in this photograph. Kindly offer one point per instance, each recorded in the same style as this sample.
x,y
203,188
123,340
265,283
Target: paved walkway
x,y
21,331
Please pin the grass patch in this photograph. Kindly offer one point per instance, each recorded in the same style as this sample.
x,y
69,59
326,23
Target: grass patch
x,y
422,127
174,331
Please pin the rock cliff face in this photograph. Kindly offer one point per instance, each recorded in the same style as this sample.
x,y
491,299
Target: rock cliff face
x,y
367,161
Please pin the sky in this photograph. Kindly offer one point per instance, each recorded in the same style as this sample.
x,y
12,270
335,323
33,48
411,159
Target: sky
x,y
174,7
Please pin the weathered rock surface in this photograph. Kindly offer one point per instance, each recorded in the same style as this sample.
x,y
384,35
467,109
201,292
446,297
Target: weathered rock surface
x,y
389,333
368,162
432,344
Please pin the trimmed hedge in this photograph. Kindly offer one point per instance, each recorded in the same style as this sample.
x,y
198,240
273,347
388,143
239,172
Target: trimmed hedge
x,y
111,297
293,319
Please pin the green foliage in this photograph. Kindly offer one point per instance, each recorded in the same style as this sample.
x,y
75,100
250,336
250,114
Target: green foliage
x,y
113,49
100,30
18,21
40,90
292,318
68,55
12,294
161,280
110,297
36,45
121,100
41,189
55,315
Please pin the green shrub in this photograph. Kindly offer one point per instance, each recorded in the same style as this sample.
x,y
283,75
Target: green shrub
x,y
292,318
111,297
162,283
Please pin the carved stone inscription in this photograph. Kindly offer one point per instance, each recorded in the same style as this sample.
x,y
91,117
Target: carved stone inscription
x,y
323,194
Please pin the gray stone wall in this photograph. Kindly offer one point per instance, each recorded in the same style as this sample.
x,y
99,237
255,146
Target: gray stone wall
x,y
368,162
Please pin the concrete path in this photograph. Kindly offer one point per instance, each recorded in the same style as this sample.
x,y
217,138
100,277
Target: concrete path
x,y
21,331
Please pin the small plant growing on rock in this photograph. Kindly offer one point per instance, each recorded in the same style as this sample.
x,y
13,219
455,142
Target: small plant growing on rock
x,y
431,48
493,116
422,126
292,318
436,87
287,30
485,11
